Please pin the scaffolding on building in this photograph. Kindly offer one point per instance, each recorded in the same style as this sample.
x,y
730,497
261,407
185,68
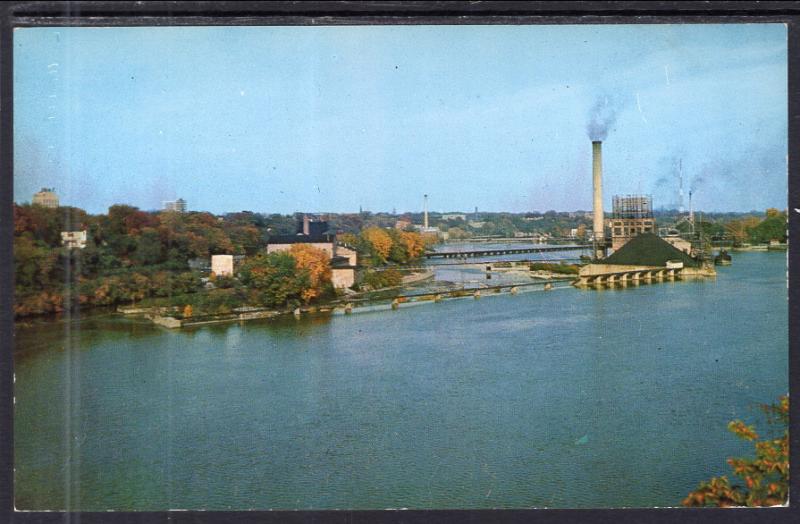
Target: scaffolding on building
x,y
632,206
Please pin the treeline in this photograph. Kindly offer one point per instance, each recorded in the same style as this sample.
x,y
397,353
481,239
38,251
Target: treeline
x,y
379,246
757,230
277,280
130,254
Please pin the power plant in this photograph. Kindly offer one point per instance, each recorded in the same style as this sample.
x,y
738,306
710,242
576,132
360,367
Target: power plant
x,y
639,254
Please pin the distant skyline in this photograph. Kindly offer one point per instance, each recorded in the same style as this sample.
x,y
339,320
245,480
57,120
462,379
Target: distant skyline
x,y
337,118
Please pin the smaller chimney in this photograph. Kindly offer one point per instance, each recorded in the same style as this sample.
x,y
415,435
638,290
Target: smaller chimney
x,y
306,226
425,211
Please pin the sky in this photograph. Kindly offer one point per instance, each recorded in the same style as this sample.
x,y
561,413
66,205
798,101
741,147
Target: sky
x,y
337,118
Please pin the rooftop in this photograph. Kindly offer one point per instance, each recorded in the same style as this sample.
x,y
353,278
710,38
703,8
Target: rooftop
x,y
300,238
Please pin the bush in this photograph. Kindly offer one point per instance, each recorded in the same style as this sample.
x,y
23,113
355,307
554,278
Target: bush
x,y
766,477
568,269
382,279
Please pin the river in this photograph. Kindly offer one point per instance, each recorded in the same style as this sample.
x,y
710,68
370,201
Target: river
x,y
568,398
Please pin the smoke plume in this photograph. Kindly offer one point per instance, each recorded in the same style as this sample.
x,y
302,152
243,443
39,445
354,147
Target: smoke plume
x,y
602,117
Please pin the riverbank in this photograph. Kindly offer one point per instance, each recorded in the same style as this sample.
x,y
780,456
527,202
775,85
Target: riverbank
x,y
171,317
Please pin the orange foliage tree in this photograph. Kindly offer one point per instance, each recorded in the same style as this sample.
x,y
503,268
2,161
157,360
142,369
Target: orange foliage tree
x,y
766,477
413,243
380,240
317,263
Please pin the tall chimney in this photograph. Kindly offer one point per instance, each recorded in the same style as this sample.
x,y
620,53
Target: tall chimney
x,y
425,211
597,209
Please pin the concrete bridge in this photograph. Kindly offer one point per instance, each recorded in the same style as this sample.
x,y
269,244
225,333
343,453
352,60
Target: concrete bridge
x,y
601,274
476,263
503,251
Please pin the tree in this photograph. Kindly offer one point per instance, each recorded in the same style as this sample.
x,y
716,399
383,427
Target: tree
x,y
380,241
316,262
275,279
771,228
148,247
766,477
413,243
740,229
581,232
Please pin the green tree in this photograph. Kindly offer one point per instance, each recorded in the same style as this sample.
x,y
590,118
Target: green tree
x,y
771,228
148,247
275,279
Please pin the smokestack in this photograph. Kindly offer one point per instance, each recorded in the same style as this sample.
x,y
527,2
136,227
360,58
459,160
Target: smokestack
x,y
691,211
680,186
306,228
597,209
425,211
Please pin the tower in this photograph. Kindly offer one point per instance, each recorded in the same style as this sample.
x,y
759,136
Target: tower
x,y
597,207
425,211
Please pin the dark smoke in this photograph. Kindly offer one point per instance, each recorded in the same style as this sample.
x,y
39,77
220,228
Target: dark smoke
x,y
662,182
602,117
698,180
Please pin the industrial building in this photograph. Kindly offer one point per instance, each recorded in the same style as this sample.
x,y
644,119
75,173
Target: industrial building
x,y
631,215
646,257
314,231
46,198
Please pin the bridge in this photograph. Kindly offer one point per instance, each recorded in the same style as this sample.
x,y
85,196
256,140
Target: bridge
x,y
477,263
504,251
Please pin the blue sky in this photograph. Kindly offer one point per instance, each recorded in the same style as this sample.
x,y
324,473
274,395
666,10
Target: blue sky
x,y
284,119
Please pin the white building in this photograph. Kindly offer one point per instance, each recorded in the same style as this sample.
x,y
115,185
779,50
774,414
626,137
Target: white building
x,y
222,265
46,198
73,239
175,205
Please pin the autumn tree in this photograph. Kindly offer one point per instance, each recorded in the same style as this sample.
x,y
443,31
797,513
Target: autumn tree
x,y
766,477
379,241
316,263
413,242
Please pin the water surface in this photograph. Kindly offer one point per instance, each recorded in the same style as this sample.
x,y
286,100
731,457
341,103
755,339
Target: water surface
x,y
570,398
